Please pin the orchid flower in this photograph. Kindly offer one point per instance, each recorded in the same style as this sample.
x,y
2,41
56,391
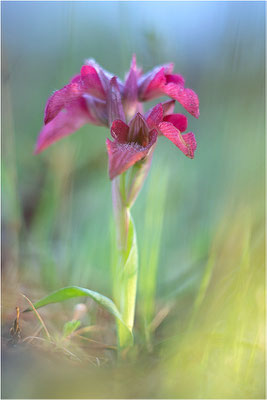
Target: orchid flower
x,y
88,99
97,97
135,141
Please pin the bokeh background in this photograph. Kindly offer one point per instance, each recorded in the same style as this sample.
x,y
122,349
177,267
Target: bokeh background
x,y
200,223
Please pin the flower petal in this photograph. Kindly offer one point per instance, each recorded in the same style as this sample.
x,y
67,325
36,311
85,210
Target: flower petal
x,y
98,109
123,155
186,143
178,120
119,131
175,78
138,130
76,78
168,107
130,91
65,123
92,83
154,116
60,99
104,75
191,143
153,87
187,97
114,103
149,85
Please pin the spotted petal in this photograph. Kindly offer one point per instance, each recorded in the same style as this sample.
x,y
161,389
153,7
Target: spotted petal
x,y
186,143
186,97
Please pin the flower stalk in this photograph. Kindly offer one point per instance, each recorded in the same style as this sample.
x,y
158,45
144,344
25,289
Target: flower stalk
x,y
125,189
95,96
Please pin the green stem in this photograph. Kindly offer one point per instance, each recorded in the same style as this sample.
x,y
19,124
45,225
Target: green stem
x,y
125,277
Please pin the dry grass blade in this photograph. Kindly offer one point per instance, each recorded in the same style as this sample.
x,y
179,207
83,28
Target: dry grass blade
x,y
56,345
96,343
38,316
28,339
159,318
91,328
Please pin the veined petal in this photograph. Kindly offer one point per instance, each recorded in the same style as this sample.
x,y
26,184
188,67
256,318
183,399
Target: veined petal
x,y
114,103
178,120
138,130
187,97
119,131
191,143
91,82
123,155
168,107
65,123
61,99
130,90
154,116
186,143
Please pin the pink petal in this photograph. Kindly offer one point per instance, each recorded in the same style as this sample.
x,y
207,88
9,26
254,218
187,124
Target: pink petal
x,y
175,78
92,83
98,109
65,123
191,143
104,75
60,99
168,107
154,116
130,90
138,130
123,156
178,120
149,84
187,97
119,131
138,70
154,86
76,78
186,143
114,103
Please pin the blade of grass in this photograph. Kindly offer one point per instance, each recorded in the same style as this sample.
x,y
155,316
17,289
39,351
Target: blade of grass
x,y
38,316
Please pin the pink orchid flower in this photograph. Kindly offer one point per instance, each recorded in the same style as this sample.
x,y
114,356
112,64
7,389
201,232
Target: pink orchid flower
x,y
96,97
134,142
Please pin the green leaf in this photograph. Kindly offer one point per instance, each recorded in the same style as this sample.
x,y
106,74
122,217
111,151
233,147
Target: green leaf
x,y
76,291
70,327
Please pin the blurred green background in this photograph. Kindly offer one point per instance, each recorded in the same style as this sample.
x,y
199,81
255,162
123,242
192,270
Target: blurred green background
x,y
207,296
